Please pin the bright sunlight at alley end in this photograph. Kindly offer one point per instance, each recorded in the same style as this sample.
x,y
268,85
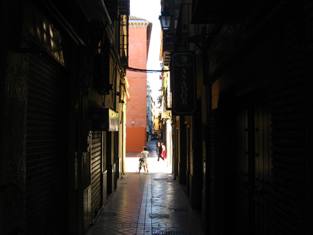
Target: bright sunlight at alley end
x,y
132,161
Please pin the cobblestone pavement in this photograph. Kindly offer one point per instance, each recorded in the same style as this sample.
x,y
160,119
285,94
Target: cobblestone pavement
x,y
152,204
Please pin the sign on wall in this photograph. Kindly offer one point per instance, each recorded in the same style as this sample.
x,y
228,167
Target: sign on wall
x,y
183,83
113,121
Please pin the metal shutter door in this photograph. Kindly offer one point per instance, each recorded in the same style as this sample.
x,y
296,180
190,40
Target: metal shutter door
x,y
96,171
45,152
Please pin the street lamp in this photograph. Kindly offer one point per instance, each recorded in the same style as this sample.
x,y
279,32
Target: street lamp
x,y
165,20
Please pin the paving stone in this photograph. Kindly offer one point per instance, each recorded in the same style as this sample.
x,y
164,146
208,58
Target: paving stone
x,y
147,204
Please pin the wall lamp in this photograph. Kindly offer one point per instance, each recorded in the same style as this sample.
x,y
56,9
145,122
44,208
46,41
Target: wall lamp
x,y
165,20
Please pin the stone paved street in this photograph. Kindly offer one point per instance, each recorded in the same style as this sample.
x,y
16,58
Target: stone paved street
x,y
151,204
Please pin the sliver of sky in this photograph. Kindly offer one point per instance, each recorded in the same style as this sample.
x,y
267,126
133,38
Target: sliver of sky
x,y
150,10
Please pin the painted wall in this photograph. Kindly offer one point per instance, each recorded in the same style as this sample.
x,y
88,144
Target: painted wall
x,y
136,114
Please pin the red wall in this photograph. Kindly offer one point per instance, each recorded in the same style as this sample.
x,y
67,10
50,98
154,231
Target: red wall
x,y
136,115
136,139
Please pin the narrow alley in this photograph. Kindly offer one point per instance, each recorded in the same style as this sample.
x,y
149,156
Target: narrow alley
x,y
220,89
152,204
147,203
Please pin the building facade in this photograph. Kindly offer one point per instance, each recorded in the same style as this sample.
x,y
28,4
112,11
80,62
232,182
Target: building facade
x,y
241,112
136,124
62,112
150,105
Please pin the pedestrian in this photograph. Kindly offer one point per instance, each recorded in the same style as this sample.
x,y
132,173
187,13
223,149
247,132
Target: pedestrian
x,y
159,149
163,153
143,160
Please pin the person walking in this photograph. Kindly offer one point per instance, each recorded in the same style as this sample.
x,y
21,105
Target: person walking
x,y
143,160
163,151
159,149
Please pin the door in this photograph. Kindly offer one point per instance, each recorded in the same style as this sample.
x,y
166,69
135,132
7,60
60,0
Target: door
x,y
46,147
96,171
254,170
243,218
263,166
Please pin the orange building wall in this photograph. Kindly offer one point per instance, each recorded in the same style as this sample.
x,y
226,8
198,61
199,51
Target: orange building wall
x,y
137,139
136,111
